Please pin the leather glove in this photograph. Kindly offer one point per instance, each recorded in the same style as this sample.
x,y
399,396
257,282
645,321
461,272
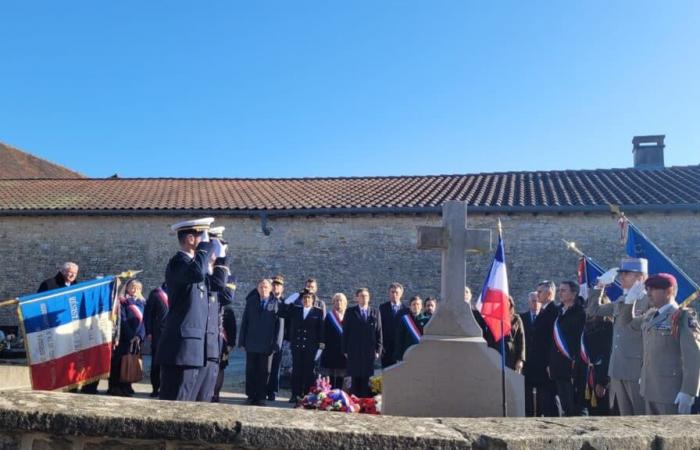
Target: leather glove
x,y
318,354
635,293
607,278
684,402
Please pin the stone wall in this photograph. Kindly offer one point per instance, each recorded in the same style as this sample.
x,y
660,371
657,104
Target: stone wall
x,y
343,252
46,420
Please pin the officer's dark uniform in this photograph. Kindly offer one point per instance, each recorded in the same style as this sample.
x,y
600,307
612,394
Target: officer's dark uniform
x,y
182,351
305,337
218,295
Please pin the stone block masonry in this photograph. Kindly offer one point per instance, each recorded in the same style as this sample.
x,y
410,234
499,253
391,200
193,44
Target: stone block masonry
x,y
46,420
343,252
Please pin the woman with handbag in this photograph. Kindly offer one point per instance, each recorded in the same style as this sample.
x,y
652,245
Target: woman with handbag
x,y
126,357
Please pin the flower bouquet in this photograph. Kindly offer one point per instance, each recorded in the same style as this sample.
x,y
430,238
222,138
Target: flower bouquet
x,y
323,397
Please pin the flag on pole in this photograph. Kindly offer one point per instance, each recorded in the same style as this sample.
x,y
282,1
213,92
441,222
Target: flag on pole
x,y
637,245
69,333
494,295
588,273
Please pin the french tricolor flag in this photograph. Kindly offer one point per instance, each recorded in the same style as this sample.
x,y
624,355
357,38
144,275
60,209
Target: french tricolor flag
x,y
68,334
494,304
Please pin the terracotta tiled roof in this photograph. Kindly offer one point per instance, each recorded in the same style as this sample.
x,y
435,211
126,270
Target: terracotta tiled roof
x,y
15,163
670,188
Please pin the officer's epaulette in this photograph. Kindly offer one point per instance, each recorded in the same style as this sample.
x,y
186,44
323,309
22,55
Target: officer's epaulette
x,y
688,314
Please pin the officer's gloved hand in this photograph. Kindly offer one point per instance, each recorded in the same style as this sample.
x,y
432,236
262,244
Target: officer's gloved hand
x,y
607,278
635,293
216,248
205,236
318,354
684,402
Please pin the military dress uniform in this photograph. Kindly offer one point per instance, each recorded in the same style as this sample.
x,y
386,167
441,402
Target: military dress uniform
x,y
182,349
671,359
305,338
626,357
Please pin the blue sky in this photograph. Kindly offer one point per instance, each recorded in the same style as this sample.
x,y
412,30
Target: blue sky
x,y
351,88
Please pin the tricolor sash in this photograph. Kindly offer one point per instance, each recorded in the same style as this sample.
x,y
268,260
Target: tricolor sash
x,y
560,342
135,310
413,329
335,321
162,296
590,372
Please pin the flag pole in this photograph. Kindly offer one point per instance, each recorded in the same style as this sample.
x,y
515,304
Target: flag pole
x,y
503,346
9,302
615,209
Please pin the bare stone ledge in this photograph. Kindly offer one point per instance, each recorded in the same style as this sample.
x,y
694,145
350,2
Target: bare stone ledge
x,y
45,420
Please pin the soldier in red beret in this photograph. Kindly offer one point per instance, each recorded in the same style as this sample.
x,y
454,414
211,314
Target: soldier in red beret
x,y
670,377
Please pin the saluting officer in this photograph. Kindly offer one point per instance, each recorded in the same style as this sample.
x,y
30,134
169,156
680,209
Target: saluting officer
x,y
671,342
182,352
306,340
626,356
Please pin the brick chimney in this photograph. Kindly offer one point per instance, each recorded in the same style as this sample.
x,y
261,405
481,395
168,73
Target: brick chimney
x,y
648,152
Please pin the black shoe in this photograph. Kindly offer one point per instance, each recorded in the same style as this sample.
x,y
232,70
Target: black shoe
x,y
249,401
259,403
115,391
271,397
154,394
293,399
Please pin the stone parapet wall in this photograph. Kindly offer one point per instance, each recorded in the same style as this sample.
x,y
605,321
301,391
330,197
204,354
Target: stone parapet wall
x,y
343,252
44,420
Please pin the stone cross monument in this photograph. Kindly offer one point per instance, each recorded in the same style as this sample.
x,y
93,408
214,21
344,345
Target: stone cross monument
x,y
451,372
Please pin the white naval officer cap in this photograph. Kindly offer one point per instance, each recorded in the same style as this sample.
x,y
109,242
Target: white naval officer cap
x,y
217,232
193,225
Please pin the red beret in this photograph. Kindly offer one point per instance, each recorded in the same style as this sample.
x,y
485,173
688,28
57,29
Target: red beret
x,y
661,281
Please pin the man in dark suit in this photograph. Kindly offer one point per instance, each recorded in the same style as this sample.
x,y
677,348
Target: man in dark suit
x,y
362,342
391,312
538,358
154,321
306,339
260,336
567,331
65,277
273,382
182,348
528,319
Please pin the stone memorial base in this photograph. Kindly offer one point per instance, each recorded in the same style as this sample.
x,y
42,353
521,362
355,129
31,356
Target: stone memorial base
x,y
451,377
14,373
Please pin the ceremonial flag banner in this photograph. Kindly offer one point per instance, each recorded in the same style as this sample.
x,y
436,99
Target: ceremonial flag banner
x,y
640,246
588,273
494,296
68,333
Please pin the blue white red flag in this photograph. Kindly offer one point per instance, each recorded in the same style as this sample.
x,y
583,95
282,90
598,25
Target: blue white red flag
x,y
495,306
639,246
69,334
588,273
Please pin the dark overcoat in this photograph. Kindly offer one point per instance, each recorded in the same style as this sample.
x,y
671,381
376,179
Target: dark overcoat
x,y
362,339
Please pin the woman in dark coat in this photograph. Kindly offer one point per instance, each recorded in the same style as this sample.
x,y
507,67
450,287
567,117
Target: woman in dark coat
x,y
362,342
333,362
410,328
131,333
306,341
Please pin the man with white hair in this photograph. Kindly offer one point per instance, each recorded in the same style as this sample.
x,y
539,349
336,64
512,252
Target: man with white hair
x,y
65,277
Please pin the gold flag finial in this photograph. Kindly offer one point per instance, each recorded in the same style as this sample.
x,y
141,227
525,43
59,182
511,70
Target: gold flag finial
x,y
129,273
571,245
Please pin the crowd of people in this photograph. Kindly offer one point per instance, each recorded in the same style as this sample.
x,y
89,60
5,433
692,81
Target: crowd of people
x,y
579,356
